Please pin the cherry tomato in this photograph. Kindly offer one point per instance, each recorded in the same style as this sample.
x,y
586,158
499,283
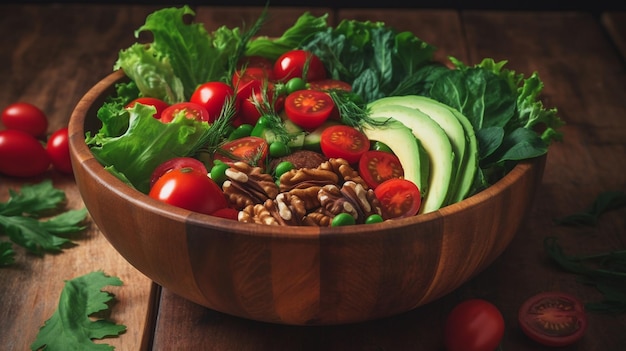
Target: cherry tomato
x,y
21,154
377,166
292,63
177,163
248,112
190,109
213,96
330,84
341,141
308,108
252,150
159,104
189,189
58,149
256,61
553,318
25,117
398,198
474,325
257,75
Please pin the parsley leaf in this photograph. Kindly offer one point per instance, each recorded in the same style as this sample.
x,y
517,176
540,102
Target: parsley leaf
x,y
19,219
72,326
604,202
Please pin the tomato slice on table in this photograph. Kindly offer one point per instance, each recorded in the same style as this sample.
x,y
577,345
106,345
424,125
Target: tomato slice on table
x,y
177,163
188,189
553,318
474,325
212,96
292,64
398,198
252,150
377,166
341,141
190,109
159,104
308,109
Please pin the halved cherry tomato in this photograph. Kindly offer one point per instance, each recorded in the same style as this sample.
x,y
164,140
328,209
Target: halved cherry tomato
x,y
291,64
330,84
341,141
21,154
308,108
252,150
474,325
177,163
190,109
58,148
159,104
398,198
188,189
553,318
212,96
26,117
377,166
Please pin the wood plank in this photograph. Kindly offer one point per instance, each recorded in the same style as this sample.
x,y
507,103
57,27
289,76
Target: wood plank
x,y
54,54
615,24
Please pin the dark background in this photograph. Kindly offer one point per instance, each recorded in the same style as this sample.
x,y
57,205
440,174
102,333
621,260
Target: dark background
x,y
549,5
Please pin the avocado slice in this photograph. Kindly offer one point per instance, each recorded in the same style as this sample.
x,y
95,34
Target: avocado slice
x,y
405,146
437,145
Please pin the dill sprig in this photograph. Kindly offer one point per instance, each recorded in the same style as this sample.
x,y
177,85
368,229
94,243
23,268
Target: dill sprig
x,y
352,110
215,136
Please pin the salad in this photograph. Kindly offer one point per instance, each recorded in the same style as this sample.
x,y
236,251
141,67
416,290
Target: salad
x,y
322,125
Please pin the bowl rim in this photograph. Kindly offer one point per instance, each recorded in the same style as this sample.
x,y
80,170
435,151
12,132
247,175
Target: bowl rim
x,y
82,157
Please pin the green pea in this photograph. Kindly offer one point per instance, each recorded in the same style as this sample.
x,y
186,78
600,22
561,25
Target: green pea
x,y
342,219
282,168
374,218
279,149
378,146
243,130
218,173
295,84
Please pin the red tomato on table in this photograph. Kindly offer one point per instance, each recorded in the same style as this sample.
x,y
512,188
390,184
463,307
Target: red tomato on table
x,y
21,154
189,189
58,148
25,117
341,141
474,325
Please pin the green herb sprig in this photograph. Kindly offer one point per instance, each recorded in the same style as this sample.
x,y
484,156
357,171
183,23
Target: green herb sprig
x,y
604,202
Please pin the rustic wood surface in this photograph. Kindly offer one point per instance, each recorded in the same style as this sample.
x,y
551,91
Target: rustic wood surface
x,y
51,54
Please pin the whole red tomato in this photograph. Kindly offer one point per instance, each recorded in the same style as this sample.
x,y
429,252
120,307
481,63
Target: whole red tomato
x,y
189,189
21,154
212,96
25,117
58,149
292,64
474,325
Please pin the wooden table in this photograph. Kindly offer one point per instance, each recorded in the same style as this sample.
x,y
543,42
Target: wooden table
x,y
51,54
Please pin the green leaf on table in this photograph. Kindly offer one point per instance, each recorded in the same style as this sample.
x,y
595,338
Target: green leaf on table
x,y
605,271
73,326
7,255
604,202
20,220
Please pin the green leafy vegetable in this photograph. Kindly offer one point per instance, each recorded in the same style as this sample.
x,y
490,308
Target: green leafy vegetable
x,y
604,202
605,271
19,219
72,326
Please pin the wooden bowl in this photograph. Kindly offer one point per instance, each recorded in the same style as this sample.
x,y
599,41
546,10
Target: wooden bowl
x,y
303,276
